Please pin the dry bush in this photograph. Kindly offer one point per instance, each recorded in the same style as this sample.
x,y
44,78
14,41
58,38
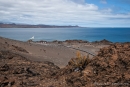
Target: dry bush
x,y
80,62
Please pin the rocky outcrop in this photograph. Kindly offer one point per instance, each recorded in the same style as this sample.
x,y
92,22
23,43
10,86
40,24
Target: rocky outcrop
x,y
76,41
110,68
104,41
17,71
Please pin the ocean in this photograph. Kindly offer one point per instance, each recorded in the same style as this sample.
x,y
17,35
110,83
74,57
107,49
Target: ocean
x,y
61,34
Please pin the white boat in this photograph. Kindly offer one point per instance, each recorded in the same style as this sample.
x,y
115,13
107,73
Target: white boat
x,y
32,38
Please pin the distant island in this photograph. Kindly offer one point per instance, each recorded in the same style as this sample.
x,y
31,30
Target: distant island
x,y
13,25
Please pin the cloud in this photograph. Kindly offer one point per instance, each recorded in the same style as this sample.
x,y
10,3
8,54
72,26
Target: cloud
x,y
58,12
103,1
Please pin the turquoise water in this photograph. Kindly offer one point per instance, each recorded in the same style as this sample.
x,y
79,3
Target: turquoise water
x,y
50,34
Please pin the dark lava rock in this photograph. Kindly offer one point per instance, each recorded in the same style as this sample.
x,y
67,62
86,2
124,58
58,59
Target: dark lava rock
x,y
110,68
4,68
76,41
104,42
18,71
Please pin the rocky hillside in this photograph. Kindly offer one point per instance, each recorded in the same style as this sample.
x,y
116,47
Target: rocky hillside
x,y
17,71
110,68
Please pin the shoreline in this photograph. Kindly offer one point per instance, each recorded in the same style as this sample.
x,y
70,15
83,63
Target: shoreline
x,y
58,52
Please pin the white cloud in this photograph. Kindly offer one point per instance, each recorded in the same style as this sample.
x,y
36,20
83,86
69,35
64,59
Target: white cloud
x,y
57,12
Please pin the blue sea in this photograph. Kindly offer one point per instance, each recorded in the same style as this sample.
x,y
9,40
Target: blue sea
x,y
61,34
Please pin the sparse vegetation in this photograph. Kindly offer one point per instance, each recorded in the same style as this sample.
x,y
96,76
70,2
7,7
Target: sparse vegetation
x,y
79,62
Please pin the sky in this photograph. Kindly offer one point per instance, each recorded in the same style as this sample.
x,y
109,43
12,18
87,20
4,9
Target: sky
x,y
85,13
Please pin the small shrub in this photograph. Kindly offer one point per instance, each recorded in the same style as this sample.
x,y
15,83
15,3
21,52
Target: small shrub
x,y
80,62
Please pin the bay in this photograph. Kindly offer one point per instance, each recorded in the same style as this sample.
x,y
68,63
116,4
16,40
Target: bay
x,y
61,34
